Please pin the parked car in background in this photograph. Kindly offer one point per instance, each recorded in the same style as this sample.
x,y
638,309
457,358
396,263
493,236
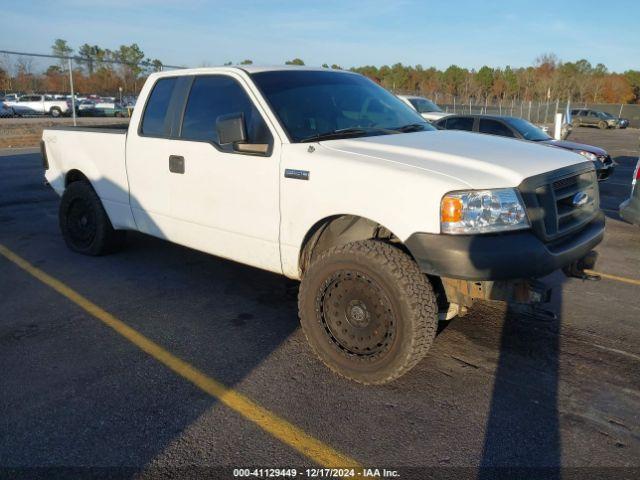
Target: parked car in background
x,y
6,111
594,118
85,105
630,208
129,101
39,105
425,107
521,129
106,109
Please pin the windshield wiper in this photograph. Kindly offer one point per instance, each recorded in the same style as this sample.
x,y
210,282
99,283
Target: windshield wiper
x,y
341,132
411,127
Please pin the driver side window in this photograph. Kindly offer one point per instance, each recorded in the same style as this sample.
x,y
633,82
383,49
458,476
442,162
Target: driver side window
x,y
214,96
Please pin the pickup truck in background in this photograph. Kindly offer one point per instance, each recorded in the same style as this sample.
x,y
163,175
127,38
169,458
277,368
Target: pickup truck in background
x,y
39,105
325,177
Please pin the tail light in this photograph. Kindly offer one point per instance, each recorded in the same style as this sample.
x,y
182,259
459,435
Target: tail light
x,y
636,173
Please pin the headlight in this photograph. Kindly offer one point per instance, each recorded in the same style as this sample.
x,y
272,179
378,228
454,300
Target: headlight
x,y
482,211
588,155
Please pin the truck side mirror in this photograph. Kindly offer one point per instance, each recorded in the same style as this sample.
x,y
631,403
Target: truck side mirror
x,y
230,129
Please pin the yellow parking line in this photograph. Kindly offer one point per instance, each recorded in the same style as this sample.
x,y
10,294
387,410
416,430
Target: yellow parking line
x,y
631,281
280,428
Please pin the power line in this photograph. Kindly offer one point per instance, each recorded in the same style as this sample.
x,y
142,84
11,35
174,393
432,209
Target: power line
x,y
84,60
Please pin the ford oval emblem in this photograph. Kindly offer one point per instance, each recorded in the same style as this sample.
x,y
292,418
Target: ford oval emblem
x,y
579,199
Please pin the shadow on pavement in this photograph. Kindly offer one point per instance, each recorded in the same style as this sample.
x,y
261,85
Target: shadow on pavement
x,y
75,393
522,437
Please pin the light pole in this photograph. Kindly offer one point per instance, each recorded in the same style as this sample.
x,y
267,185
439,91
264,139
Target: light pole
x,y
120,90
73,95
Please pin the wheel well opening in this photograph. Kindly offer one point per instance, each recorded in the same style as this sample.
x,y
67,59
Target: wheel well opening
x,y
340,230
74,176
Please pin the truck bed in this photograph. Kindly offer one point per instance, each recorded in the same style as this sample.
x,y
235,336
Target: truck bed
x,y
117,128
98,153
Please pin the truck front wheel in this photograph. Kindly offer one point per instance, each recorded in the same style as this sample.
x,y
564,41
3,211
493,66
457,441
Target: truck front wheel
x,y
85,226
55,112
367,311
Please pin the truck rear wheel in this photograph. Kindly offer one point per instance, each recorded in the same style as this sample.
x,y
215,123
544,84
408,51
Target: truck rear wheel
x,y
85,226
367,311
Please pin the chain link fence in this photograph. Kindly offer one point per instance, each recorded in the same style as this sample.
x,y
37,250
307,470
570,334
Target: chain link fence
x,y
104,89
538,112
72,86
38,91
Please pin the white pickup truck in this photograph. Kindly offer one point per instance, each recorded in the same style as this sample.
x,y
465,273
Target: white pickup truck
x,y
39,105
326,177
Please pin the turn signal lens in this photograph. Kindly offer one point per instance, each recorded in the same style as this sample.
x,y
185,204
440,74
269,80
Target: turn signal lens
x,y
451,209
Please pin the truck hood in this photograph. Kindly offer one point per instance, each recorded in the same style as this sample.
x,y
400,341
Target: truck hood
x,y
475,160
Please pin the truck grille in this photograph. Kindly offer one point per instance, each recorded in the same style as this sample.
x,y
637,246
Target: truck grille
x,y
561,202
569,215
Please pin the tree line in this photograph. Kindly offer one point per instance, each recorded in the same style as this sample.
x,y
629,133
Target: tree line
x,y
95,70
547,79
101,70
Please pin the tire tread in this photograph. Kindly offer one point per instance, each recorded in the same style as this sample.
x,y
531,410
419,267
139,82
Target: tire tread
x,y
417,290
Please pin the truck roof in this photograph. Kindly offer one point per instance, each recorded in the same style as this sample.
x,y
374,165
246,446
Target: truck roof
x,y
248,69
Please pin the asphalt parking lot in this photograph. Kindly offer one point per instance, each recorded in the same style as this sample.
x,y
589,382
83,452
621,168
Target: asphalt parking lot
x,y
522,396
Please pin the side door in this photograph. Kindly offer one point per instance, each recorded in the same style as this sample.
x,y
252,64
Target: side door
x,y
226,202
147,157
592,118
38,104
27,105
583,116
495,127
459,123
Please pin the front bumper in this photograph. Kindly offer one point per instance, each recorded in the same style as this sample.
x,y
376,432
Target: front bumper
x,y
604,167
502,256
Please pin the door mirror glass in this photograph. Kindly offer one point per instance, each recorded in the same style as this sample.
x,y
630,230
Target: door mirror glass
x,y
230,128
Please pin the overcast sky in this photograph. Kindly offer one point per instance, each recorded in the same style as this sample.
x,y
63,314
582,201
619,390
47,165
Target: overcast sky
x,y
469,33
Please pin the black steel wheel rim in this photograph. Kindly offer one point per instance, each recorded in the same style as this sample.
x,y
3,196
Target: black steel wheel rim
x,y
356,314
81,223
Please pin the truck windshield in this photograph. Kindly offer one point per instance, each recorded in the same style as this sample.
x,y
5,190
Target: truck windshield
x,y
422,105
317,105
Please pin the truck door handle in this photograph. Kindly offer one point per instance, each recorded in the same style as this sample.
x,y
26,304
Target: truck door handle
x,y
176,164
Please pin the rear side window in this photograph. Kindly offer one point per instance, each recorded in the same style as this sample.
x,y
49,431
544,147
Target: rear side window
x,y
460,123
493,127
214,96
153,121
